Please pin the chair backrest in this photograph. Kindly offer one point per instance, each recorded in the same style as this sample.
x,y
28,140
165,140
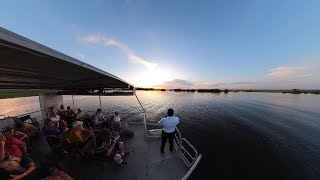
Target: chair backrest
x,y
116,126
52,141
26,118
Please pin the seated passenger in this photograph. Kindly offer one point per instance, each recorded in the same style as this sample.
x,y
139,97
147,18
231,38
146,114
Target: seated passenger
x,y
63,127
78,134
70,113
12,146
28,129
98,117
55,117
112,148
24,168
81,115
117,118
119,122
50,129
62,109
17,134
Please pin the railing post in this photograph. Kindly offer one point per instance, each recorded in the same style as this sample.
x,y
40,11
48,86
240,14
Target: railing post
x,y
145,125
180,141
73,102
100,102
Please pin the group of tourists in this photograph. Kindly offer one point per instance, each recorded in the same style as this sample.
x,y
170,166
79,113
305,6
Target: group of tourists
x,y
75,129
15,160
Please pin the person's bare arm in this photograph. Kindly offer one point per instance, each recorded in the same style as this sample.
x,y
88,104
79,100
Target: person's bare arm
x,y
2,143
22,135
30,168
110,149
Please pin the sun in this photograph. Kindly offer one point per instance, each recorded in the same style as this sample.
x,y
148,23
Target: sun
x,y
152,78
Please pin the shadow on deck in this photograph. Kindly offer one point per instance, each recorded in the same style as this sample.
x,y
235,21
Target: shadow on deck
x,y
144,161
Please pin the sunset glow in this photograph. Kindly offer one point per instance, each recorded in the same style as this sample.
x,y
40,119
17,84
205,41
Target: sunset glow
x,y
152,78
243,44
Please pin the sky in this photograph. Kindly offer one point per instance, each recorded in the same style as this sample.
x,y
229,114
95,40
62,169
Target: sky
x,y
247,44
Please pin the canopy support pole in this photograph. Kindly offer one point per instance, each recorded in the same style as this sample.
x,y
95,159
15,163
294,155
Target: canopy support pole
x,y
73,102
140,103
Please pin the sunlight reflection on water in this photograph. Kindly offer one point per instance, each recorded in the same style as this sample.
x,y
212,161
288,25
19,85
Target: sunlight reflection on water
x,y
242,135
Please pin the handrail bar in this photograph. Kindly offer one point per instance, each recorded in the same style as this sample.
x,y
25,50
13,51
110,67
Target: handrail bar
x,y
21,114
180,140
187,152
192,147
145,126
186,176
185,160
140,103
111,112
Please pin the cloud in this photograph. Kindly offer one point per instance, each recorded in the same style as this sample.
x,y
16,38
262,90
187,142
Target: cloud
x,y
81,56
176,83
91,38
286,72
132,56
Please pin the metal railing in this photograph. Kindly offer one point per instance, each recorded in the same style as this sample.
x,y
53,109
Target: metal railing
x,y
186,151
10,120
187,175
185,154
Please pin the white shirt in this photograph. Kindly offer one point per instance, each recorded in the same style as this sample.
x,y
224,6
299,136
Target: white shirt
x,y
81,114
169,123
55,119
98,117
116,118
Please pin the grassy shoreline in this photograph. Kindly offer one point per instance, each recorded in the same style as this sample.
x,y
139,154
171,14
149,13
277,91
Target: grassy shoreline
x,y
292,91
6,95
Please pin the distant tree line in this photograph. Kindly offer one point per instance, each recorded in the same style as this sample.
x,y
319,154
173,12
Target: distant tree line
x,y
185,90
304,91
150,89
293,91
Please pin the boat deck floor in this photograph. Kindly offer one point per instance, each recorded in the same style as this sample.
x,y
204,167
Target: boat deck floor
x,y
144,161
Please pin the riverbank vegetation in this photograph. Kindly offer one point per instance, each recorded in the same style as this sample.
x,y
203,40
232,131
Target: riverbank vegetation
x,y
292,91
5,95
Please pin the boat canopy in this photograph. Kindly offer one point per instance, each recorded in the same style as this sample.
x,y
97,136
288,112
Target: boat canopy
x,y
25,64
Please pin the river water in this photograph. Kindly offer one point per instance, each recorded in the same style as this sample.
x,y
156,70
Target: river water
x,y
241,135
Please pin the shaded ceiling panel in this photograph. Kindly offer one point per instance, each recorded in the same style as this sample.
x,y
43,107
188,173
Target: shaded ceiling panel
x,y
25,64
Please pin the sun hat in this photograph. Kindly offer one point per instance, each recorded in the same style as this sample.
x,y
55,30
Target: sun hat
x,y
77,123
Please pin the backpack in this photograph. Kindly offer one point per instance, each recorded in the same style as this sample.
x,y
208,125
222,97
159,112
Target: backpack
x,y
101,141
126,133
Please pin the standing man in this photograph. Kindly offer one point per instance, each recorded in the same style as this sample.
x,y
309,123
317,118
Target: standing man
x,y
168,124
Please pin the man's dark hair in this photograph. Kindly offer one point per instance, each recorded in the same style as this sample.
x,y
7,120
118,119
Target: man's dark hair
x,y
99,110
170,112
68,107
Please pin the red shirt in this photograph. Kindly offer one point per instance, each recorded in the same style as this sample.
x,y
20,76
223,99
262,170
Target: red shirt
x,y
14,147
